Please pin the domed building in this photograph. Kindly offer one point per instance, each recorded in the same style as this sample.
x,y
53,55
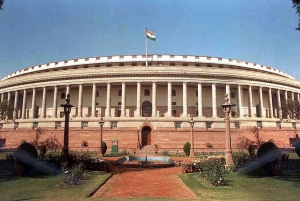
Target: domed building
x,y
146,106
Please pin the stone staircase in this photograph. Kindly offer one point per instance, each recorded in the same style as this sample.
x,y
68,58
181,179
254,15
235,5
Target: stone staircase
x,y
148,149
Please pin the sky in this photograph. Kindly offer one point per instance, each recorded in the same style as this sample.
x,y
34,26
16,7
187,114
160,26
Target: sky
x,y
35,32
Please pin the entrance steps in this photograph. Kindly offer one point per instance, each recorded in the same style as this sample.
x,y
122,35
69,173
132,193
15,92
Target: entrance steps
x,y
148,149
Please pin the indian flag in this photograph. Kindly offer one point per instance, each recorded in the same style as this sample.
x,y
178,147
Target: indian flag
x,y
150,35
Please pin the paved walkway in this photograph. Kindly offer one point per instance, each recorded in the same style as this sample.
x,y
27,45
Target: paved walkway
x,y
145,182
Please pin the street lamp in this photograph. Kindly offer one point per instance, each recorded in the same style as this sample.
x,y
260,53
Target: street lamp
x,y
101,123
67,110
226,109
192,153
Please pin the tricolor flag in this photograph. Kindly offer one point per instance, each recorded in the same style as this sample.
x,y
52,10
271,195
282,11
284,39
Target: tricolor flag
x,y
150,35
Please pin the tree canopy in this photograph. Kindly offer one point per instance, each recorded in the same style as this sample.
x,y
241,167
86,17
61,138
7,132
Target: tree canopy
x,y
296,4
1,4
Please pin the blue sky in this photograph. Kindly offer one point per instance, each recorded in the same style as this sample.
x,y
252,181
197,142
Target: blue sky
x,y
34,32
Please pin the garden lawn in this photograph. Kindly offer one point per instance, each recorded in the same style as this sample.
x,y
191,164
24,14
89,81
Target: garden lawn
x,y
247,188
47,188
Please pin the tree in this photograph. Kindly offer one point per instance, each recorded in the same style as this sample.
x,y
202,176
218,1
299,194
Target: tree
x,y
1,4
291,109
6,109
296,4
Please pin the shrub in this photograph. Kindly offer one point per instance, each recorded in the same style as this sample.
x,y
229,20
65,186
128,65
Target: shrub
x,y
25,158
297,148
71,176
165,153
187,148
269,157
103,147
251,150
212,170
240,158
43,151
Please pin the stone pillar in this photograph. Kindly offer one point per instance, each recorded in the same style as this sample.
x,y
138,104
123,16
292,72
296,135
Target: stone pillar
x,y
169,99
200,101
298,97
184,101
138,99
33,103
15,112
227,89
43,115
24,104
2,97
270,104
123,112
54,112
93,113
79,101
293,96
154,99
108,98
8,97
279,104
261,103
285,96
214,100
67,90
250,102
239,104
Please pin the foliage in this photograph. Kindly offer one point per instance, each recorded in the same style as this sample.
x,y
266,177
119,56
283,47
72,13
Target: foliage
x,y
43,151
25,158
38,134
165,153
187,148
103,147
52,143
71,176
209,145
240,158
1,4
269,157
6,109
291,109
255,132
124,152
296,4
251,151
244,142
213,170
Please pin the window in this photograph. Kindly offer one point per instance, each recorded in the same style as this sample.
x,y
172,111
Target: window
x,y
113,124
120,93
177,124
57,124
63,95
173,103
35,124
209,125
173,92
147,92
119,103
84,124
97,93
232,95
174,113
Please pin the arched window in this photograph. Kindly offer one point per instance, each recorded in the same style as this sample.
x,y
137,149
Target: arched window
x,y
63,95
120,93
173,92
97,93
147,92
232,95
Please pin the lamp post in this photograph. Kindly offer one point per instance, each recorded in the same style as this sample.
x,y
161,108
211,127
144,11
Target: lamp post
x,y
101,123
226,109
67,110
192,153
138,139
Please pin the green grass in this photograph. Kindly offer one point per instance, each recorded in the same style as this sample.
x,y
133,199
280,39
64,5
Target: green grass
x,y
47,188
247,188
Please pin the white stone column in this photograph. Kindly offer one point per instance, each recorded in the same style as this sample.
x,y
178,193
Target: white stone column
x,y
270,104
169,99
24,104
239,101
8,97
279,112
250,102
285,96
2,97
184,101
200,101
67,90
293,95
298,97
43,115
108,98
261,103
54,112
123,112
93,113
214,100
79,101
154,99
15,112
227,89
33,103
138,99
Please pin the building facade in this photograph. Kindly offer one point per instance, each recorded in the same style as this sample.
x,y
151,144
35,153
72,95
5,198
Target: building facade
x,y
149,105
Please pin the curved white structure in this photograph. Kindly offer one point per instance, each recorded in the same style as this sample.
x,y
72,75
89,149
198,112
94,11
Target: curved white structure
x,y
149,104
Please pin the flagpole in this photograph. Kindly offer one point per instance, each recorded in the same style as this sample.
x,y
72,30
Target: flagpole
x,y
146,49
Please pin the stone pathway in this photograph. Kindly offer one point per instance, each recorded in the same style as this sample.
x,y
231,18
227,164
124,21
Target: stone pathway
x,y
145,182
